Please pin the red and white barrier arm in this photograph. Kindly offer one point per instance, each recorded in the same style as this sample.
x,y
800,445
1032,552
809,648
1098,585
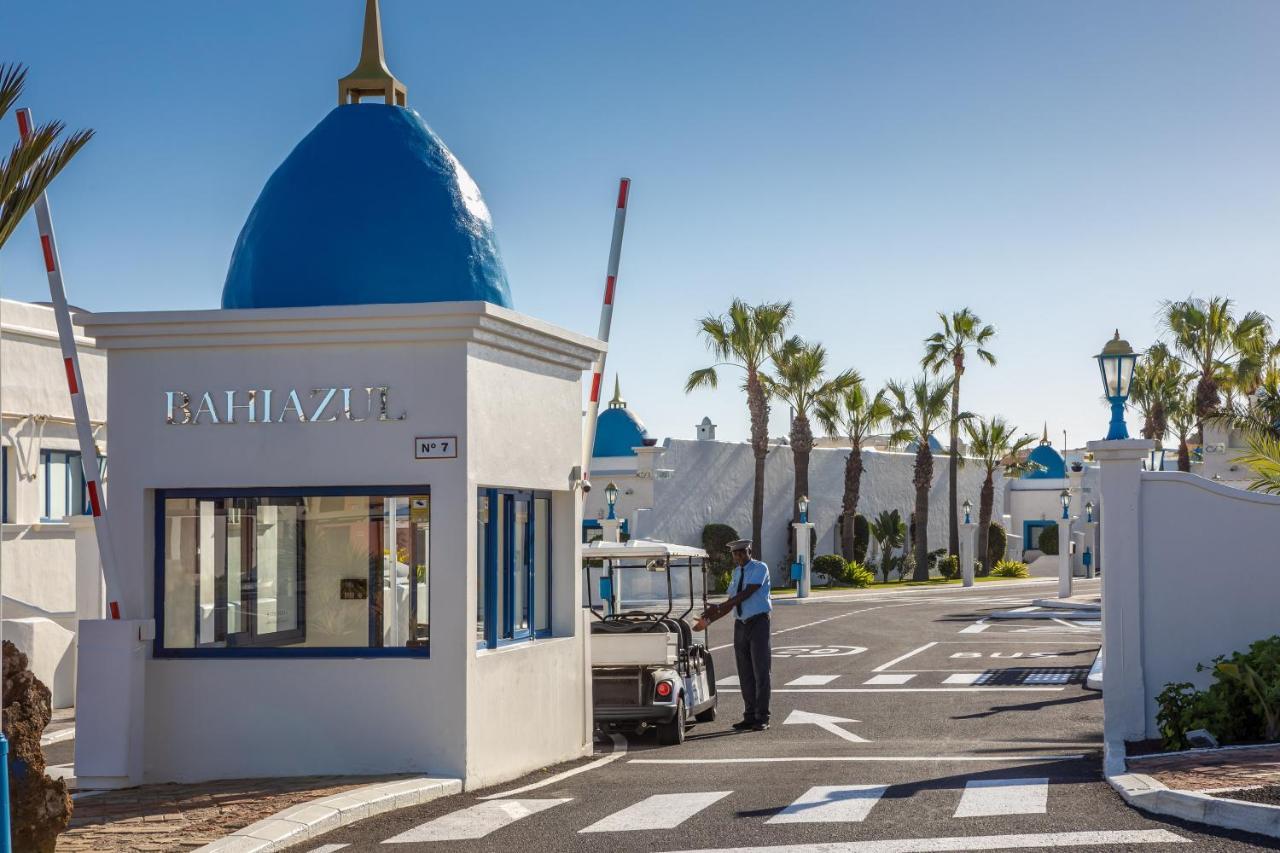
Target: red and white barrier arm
x,y
71,362
606,321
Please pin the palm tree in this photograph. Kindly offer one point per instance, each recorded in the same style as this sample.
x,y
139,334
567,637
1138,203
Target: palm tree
x,y
1182,419
889,531
1208,337
801,381
747,337
920,409
993,444
962,330
34,162
856,416
1258,422
1158,378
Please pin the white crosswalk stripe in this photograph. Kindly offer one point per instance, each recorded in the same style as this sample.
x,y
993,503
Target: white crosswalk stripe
x,y
811,680
660,811
992,797
832,804
890,678
962,678
1026,841
476,821
728,681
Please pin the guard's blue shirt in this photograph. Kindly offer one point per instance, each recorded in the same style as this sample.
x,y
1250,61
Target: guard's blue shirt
x,y
758,602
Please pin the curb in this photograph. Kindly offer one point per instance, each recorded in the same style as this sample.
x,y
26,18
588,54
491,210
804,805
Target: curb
x,y
1147,794
842,595
307,820
1067,604
1094,680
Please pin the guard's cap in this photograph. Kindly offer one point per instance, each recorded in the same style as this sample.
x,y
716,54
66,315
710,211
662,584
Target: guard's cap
x,y
739,544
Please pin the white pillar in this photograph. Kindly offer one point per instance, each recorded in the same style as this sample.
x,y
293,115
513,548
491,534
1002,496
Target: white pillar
x,y
1124,712
1091,542
968,534
803,541
611,529
1064,558
91,592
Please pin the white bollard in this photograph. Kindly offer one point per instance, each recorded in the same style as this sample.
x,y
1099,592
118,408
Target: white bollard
x,y
1064,558
801,530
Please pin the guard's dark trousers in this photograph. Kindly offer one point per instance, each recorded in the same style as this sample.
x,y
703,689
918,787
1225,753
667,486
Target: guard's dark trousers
x,y
751,648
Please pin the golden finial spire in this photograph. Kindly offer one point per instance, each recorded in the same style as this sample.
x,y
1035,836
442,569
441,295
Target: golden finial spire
x,y
1045,438
371,76
617,402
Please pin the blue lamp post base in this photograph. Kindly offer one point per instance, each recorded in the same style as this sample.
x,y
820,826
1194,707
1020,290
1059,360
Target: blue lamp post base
x,y
6,843
1118,430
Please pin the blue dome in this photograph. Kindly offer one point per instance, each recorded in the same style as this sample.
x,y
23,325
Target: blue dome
x,y
370,207
1050,461
618,433
935,446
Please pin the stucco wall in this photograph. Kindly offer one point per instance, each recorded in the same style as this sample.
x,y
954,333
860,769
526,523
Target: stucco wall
x,y
1208,563
712,482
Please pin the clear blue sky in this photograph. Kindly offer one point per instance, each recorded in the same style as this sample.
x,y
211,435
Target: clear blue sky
x,y
1058,167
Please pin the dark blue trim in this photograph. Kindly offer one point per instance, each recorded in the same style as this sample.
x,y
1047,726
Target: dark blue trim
x,y
1036,524
490,570
4,486
501,632
230,652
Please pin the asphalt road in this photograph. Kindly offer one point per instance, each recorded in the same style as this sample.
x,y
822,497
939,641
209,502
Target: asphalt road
x,y
902,722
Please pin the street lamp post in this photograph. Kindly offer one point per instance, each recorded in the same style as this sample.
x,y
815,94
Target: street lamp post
x,y
802,568
1064,546
611,498
1116,363
967,531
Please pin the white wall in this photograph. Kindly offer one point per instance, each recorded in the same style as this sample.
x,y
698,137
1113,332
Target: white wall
x,y
1207,561
712,482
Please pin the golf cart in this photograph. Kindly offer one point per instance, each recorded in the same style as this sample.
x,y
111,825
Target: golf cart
x,y
648,669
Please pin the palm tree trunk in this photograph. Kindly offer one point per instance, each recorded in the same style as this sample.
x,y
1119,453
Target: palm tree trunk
x,y
852,484
801,448
758,407
953,466
1184,454
923,479
1207,400
986,500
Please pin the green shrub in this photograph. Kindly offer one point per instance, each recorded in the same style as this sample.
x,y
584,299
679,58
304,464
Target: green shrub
x,y
905,564
830,564
1242,705
936,556
715,541
861,538
858,576
1048,540
1010,569
949,567
997,543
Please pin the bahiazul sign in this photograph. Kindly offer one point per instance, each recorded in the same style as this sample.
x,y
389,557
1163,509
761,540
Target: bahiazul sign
x,y
322,405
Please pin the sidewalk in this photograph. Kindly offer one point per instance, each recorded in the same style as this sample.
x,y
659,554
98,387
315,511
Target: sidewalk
x,y
1214,771
163,818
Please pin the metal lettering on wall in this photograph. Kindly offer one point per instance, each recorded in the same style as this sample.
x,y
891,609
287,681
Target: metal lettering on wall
x,y
322,405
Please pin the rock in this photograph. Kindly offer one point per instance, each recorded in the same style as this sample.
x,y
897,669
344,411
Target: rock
x,y
1202,739
39,807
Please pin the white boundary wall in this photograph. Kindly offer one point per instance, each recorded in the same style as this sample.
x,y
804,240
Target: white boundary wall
x,y
1190,575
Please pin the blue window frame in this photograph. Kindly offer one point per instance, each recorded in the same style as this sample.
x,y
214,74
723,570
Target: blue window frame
x,y
292,572
4,483
63,480
513,566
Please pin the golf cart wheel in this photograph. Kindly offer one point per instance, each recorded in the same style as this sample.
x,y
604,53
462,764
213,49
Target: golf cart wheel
x,y
707,716
672,733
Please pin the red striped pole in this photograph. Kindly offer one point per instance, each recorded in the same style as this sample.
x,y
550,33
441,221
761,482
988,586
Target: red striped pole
x,y
75,384
606,321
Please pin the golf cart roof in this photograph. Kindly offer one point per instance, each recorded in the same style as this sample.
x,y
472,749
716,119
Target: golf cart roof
x,y
638,549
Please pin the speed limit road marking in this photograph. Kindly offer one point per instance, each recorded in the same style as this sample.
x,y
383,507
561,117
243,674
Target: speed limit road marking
x,y
829,651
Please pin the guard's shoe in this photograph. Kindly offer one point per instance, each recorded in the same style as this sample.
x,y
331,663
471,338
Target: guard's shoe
x,y
743,725
760,726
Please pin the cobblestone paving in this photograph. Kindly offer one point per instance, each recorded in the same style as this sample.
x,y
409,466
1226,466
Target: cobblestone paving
x,y
164,818
1212,770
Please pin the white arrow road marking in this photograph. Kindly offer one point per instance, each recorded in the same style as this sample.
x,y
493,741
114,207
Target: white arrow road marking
x,y
989,797
660,811
826,722
971,842
475,822
832,804
882,667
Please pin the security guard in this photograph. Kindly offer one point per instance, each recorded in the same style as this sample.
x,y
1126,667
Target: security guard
x,y
749,602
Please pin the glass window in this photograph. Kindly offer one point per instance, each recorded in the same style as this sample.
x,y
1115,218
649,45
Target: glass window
x,y
294,572
65,493
513,566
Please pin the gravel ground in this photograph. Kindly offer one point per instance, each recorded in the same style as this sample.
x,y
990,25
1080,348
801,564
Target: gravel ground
x,y
1269,794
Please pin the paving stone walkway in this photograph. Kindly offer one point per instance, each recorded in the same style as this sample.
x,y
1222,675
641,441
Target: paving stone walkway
x,y
164,818
1213,769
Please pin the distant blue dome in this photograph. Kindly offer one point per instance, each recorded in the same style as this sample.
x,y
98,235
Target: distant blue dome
x,y
1052,466
369,208
934,445
618,433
